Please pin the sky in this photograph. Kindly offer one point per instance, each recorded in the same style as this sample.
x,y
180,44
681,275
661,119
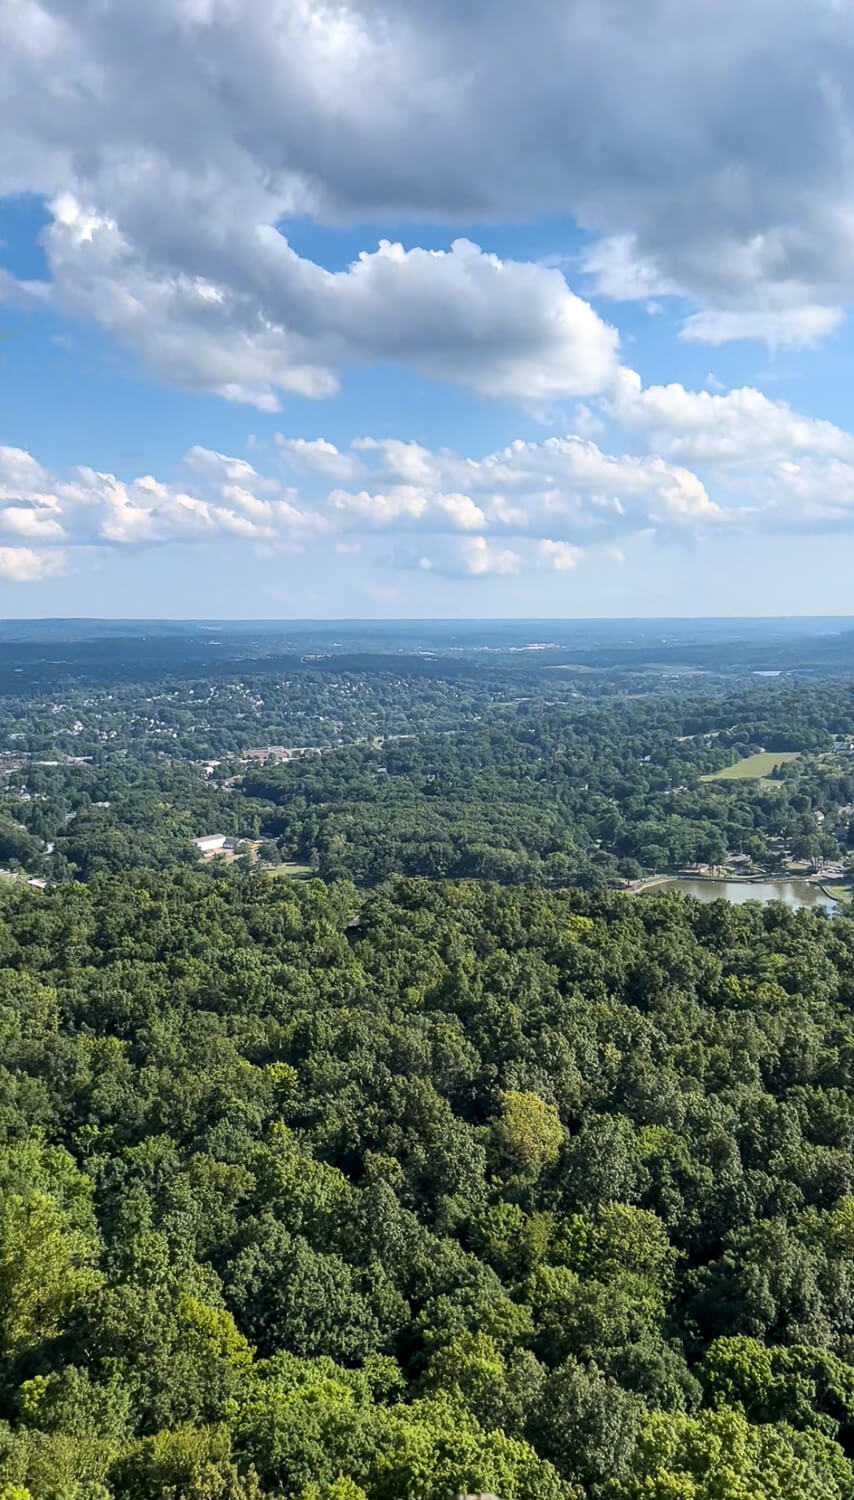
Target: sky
x,y
426,308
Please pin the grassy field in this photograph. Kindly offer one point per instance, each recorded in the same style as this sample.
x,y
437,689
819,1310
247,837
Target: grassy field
x,y
753,767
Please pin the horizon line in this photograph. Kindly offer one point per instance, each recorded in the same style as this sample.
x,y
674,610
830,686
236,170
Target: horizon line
x,y
402,619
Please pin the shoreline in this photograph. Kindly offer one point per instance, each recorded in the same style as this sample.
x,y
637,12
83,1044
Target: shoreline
x,y
840,893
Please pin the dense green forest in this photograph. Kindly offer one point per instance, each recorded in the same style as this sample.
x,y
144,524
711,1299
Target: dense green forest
x,y
445,1187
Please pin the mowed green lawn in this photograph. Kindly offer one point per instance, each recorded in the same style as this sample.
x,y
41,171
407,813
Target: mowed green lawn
x,y
753,767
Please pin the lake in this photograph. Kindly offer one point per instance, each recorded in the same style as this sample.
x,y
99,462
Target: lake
x,y
792,892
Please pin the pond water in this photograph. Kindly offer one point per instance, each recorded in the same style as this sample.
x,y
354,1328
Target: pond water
x,y
792,892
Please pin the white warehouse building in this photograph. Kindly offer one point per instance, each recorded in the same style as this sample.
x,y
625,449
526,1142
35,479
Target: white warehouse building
x,y
210,843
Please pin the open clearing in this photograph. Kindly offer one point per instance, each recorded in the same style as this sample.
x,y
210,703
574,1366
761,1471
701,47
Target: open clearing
x,y
753,767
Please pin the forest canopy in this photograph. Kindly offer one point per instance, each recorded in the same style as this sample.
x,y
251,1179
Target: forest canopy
x,y
323,1194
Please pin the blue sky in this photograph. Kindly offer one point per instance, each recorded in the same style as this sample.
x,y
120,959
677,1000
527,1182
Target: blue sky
x,y
420,310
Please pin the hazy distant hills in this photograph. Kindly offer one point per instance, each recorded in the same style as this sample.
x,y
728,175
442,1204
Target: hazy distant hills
x,y
43,653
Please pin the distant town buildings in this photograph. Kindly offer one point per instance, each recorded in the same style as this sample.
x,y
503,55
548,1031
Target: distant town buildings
x,y
269,752
280,752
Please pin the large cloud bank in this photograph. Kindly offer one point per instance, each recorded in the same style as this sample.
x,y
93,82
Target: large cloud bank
x,y
704,144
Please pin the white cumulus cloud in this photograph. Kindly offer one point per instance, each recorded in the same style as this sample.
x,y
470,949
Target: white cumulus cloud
x,y
734,460
252,319
24,565
561,556
738,426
